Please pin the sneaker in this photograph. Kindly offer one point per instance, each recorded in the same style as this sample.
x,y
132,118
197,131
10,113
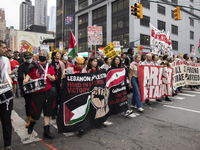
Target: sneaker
x,y
8,148
30,128
81,132
128,112
140,109
134,107
167,99
178,91
148,103
158,100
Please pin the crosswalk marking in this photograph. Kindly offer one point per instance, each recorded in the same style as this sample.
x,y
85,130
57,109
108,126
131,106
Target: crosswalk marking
x,y
190,110
186,94
195,92
19,127
177,97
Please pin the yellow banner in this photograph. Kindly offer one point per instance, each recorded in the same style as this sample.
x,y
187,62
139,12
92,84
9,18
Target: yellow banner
x,y
109,51
30,49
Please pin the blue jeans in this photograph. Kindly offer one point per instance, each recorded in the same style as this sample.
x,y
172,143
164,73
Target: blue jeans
x,y
136,99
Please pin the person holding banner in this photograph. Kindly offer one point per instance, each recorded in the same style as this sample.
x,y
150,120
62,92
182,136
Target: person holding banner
x,y
148,62
117,63
92,65
134,82
42,99
106,65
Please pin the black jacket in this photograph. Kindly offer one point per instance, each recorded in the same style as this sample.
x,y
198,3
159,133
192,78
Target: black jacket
x,y
22,71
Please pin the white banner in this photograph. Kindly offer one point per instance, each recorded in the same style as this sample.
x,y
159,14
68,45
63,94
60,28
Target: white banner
x,y
160,42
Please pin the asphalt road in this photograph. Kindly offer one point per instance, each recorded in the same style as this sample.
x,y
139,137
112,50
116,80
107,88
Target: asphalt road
x,y
164,126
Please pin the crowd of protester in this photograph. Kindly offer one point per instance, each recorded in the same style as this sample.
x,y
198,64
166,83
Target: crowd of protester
x,y
32,66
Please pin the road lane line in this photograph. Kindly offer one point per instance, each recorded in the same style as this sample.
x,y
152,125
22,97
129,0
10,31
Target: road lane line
x,y
190,110
186,94
177,97
19,127
192,92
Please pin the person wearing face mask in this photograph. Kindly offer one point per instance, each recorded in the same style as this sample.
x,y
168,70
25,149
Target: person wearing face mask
x,y
42,100
65,60
22,72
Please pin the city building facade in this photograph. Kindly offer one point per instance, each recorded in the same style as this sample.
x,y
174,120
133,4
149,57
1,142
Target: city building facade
x,y
2,24
26,15
119,25
52,21
40,16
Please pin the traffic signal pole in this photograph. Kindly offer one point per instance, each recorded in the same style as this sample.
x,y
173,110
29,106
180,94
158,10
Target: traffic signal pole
x,y
172,4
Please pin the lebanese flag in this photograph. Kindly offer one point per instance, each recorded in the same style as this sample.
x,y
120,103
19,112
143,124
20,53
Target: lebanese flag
x,y
199,46
115,77
72,46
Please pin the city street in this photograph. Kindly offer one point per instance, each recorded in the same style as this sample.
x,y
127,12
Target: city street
x,y
167,125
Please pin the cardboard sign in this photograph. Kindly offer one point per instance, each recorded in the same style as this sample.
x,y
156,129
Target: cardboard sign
x,y
109,51
95,35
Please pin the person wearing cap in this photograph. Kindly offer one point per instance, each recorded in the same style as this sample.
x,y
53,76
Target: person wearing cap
x,y
22,72
77,67
17,58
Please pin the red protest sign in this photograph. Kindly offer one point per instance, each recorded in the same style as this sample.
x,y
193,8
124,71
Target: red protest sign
x,y
155,82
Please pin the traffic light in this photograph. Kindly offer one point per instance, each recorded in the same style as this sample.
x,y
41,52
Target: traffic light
x,y
177,14
137,10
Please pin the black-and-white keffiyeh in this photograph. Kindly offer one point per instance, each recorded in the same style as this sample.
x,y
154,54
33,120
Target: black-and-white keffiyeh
x,y
2,72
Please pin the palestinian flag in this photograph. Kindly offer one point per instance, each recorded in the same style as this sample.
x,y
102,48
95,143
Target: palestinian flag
x,y
77,114
72,46
199,46
115,77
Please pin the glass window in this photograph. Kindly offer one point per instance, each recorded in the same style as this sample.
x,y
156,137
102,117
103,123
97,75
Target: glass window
x,y
161,9
161,25
145,21
145,4
191,35
172,14
114,7
175,29
82,4
175,45
144,39
191,45
120,5
191,22
174,1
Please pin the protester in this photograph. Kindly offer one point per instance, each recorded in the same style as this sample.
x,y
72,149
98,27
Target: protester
x,y
34,57
44,98
85,62
5,107
14,67
65,60
134,82
101,60
107,63
123,57
143,58
77,68
148,62
92,65
58,67
22,72
155,63
129,58
117,63
17,58
160,59
70,60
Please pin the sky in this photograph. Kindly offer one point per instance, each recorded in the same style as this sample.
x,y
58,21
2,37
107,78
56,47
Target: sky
x,y
12,10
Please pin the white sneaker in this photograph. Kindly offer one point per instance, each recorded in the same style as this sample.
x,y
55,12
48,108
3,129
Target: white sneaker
x,y
134,107
140,109
128,112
